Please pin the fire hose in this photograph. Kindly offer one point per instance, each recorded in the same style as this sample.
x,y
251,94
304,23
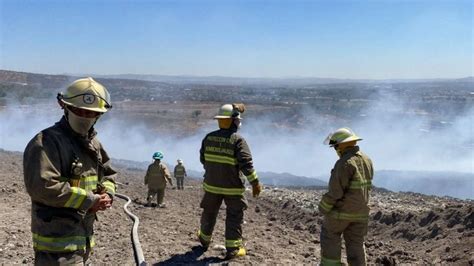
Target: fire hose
x,y
137,247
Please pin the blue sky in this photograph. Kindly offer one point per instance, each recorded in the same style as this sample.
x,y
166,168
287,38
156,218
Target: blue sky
x,y
340,39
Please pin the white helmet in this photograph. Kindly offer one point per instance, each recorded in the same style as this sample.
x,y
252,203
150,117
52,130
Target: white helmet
x,y
180,161
341,135
87,94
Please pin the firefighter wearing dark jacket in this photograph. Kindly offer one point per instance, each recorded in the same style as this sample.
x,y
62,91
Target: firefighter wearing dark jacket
x,y
346,205
226,158
180,173
68,176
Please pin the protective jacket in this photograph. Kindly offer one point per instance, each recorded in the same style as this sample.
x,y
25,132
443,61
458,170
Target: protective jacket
x,y
157,175
227,159
60,193
179,171
349,187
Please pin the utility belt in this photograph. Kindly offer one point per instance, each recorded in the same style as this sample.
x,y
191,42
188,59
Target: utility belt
x,y
47,213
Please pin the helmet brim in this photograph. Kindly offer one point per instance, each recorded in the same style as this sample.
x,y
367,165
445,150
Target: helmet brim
x,y
226,117
93,109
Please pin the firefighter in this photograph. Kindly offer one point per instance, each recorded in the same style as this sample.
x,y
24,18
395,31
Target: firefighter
x,y
180,174
156,177
226,158
345,205
68,175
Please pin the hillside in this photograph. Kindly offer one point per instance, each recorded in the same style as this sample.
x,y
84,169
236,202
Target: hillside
x,y
454,184
281,227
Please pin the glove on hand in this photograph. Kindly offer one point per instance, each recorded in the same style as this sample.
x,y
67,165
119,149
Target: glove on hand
x,y
256,189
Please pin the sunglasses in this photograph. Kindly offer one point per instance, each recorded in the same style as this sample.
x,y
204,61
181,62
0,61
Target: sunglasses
x,y
82,112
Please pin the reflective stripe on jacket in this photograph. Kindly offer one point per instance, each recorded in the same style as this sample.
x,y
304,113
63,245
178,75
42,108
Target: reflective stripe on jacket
x,y
227,162
179,171
60,196
349,187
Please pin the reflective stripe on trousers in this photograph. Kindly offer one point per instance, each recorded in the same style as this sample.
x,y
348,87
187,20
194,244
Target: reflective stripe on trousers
x,y
61,244
223,191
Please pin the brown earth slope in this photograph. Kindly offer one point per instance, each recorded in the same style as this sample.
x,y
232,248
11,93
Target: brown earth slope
x,y
281,227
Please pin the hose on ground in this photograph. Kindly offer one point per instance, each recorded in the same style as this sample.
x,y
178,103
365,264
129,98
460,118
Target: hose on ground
x,y
137,247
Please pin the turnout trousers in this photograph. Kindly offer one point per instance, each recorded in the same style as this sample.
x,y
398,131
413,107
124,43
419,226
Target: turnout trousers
x,y
158,192
79,257
354,236
235,206
180,182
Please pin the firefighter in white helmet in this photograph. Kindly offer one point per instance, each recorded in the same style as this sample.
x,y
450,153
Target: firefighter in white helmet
x,y
345,205
180,173
226,158
68,176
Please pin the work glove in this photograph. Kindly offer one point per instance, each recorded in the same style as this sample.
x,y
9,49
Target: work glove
x,y
239,107
256,189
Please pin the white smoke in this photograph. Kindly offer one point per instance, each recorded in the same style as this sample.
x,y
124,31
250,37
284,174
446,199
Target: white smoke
x,y
394,138
138,142
19,123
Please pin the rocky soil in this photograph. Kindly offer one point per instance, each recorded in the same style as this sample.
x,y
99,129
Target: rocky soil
x,y
281,227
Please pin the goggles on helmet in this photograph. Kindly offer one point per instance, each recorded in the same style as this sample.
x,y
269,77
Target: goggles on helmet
x,y
87,98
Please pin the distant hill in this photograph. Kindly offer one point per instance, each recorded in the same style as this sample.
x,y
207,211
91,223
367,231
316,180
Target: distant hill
x,y
60,81
270,82
153,81
286,179
267,178
459,185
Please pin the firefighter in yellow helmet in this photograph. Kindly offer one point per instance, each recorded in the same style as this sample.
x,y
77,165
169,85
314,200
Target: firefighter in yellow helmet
x,y
346,205
68,176
226,158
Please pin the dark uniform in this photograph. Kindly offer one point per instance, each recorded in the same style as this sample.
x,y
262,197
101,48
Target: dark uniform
x,y
61,194
346,209
227,159
179,174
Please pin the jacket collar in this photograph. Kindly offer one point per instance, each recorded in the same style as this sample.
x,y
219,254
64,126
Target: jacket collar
x,y
351,151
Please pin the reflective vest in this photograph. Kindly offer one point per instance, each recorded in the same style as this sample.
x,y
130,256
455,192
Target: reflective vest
x,y
227,162
349,187
61,170
179,170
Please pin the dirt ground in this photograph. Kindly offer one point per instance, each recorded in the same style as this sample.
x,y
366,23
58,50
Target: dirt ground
x,y
281,227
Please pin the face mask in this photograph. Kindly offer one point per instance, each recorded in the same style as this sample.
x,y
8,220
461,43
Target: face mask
x,y
80,125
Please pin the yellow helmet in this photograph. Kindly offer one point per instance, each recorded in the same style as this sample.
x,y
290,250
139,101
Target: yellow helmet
x,y
227,111
341,135
230,111
87,94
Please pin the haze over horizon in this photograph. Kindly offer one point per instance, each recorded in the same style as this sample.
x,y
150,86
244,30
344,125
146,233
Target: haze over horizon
x,y
254,39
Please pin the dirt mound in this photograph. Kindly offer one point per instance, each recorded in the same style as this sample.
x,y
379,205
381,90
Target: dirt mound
x,y
282,227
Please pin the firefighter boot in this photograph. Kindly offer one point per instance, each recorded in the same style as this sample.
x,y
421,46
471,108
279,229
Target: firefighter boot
x,y
204,239
235,252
